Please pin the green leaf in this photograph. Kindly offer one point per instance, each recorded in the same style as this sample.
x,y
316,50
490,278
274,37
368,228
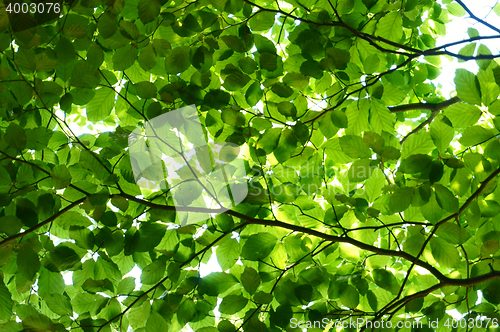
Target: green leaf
x,y
360,170
483,50
453,233
236,81
475,135
38,138
287,109
148,10
225,222
415,163
15,136
156,323
38,323
217,99
446,199
401,199
431,210
59,304
72,218
462,115
445,253
10,225
455,9
254,94
64,257
61,177
496,9
28,263
153,273
441,133
468,88
50,282
93,286
262,297
186,311
124,57
419,143
491,293
216,283
374,185
339,56
145,90
467,50
248,65
126,286
301,132
26,211
65,51
107,25
489,208
339,119
250,280
296,80
386,280
147,58
6,303
390,26
357,116
268,61
371,64
311,68
101,105
22,92
286,146
354,147
228,253
258,246
95,55
12,326
380,117
349,296
490,247
262,21
282,90
84,75
374,141
231,304
176,60
269,140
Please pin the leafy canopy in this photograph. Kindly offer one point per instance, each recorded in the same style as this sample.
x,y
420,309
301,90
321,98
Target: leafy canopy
x,y
370,194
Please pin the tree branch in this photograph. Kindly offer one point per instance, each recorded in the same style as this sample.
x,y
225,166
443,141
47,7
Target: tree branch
x,y
434,107
420,126
43,223
477,18
265,222
455,282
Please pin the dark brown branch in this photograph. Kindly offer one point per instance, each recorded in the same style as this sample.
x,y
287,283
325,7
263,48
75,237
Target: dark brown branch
x,y
461,56
43,223
433,107
451,282
202,251
328,237
456,282
477,18
420,126
469,40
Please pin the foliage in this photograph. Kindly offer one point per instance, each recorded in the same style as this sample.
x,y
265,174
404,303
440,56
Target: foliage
x,y
349,214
